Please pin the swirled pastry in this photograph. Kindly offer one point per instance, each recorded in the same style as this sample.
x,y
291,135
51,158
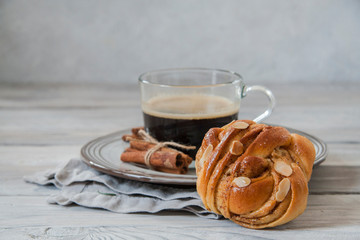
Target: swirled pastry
x,y
253,174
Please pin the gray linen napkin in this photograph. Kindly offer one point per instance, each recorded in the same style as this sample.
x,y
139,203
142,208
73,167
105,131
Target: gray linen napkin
x,y
82,185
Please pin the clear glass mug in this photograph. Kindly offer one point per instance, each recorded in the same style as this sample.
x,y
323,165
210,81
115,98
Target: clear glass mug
x,y
181,105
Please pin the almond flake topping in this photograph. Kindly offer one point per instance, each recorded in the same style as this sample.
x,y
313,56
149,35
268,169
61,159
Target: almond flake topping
x,y
240,125
283,168
242,181
284,187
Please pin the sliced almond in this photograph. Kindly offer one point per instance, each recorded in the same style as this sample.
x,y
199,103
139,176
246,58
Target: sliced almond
x,y
227,125
236,148
240,125
242,181
284,187
208,151
206,155
283,168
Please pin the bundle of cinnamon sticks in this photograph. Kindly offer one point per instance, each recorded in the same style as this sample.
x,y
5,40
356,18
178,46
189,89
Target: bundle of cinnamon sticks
x,y
165,159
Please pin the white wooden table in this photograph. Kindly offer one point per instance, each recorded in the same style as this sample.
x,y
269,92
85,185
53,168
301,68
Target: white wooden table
x,y
42,125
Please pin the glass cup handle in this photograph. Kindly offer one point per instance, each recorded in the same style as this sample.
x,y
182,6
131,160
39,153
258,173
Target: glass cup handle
x,y
270,97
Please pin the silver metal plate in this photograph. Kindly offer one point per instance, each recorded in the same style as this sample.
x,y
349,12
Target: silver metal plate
x,y
103,154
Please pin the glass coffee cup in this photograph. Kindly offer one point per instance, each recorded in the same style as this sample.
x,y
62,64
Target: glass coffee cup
x,y
181,105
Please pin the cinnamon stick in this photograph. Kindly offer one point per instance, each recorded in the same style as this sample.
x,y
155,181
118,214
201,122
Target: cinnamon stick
x,y
144,146
163,159
135,134
136,130
141,145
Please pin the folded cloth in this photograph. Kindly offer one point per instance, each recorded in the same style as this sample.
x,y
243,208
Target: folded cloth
x,y
82,185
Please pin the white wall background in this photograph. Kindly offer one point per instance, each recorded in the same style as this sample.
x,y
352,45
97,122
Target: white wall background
x,y
115,41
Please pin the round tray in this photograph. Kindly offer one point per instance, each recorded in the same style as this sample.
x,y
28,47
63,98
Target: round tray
x,y
103,154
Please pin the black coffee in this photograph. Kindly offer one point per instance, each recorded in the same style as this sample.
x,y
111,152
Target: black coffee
x,y
186,119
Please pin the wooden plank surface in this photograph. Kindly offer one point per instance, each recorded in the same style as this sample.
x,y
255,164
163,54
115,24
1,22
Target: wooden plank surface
x,y
43,125
328,215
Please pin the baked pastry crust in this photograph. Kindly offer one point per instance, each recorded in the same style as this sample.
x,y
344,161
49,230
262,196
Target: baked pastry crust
x,y
254,174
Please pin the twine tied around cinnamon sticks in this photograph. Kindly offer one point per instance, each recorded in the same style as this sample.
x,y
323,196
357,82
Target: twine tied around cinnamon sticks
x,y
159,145
145,149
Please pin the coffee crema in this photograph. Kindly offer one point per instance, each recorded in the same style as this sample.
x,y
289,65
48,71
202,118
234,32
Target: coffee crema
x,y
186,118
